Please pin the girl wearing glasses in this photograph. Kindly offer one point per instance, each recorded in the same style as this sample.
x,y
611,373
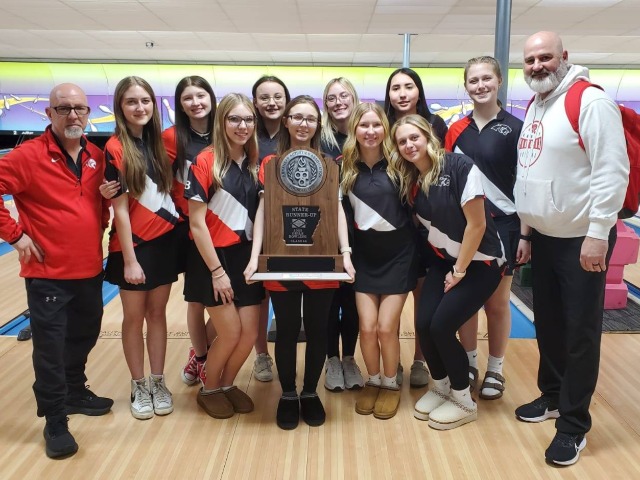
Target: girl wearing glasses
x,y
301,130
193,131
489,135
384,253
405,96
141,247
270,96
446,192
222,190
339,99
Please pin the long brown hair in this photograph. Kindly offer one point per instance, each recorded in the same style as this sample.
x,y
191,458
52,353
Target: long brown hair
x,y
408,171
351,149
221,146
135,164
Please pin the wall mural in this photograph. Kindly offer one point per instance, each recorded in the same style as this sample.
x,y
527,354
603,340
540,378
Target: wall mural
x,y
25,87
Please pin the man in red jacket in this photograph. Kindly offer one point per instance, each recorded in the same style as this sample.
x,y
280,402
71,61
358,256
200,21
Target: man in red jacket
x,y
54,180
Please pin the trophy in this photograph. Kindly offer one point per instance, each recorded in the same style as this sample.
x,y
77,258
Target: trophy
x,y
300,239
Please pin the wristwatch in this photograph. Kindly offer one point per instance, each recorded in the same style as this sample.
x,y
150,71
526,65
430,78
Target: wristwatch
x,y
458,274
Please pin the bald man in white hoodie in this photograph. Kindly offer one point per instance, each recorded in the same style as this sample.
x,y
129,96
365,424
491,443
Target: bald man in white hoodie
x,y
570,197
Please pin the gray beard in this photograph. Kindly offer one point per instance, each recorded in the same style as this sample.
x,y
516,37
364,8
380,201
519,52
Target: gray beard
x,y
550,82
73,133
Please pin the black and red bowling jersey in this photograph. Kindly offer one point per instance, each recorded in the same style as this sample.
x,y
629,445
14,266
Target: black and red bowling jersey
x,y
195,145
152,214
494,150
231,210
442,215
375,200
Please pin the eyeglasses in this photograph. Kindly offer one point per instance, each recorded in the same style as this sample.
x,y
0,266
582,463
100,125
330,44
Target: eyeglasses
x,y
66,110
343,96
236,120
277,98
298,118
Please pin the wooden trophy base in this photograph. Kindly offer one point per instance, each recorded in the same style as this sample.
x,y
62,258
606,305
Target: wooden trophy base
x,y
289,267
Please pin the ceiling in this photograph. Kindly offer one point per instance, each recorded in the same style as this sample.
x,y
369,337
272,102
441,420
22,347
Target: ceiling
x,y
309,32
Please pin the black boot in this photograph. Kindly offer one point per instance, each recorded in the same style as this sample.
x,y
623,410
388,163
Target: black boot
x,y
60,443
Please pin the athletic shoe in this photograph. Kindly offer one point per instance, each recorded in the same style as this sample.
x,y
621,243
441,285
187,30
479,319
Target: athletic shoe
x,y
85,402
262,367
428,403
452,414
141,403
419,376
540,409
58,440
565,449
160,395
189,373
352,376
333,375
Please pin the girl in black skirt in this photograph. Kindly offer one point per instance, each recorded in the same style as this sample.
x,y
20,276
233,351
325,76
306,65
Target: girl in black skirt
x,y
384,253
142,258
222,189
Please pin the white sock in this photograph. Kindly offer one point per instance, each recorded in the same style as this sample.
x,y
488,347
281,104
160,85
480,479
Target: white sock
x,y
157,378
443,385
389,381
463,397
473,358
495,364
375,379
225,389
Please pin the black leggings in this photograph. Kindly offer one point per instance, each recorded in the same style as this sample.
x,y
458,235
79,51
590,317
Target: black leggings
x,y
440,316
286,306
345,326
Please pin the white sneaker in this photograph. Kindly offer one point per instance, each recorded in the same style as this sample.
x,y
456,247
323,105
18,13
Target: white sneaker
x,y
452,414
161,396
262,367
352,376
333,375
141,404
428,403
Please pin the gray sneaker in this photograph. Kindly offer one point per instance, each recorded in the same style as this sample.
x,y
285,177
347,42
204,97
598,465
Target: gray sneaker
x,y
161,396
352,376
262,367
333,377
419,375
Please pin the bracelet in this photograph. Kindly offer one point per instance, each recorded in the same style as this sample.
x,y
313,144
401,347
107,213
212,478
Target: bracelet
x,y
219,276
217,268
346,250
458,274
526,238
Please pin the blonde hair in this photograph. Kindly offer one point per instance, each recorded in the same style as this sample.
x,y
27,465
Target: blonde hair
x,y
329,128
408,171
481,60
134,162
351,150
221,146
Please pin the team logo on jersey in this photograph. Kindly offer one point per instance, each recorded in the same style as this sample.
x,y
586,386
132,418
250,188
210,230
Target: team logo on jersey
x,y
54,160
301,172
502,129
530,144
91,163
444,181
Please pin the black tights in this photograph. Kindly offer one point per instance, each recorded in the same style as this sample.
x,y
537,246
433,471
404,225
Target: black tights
x,y
345,326
286,306
440,315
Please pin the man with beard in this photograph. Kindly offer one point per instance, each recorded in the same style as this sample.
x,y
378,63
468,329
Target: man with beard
x,y
54,181
570,197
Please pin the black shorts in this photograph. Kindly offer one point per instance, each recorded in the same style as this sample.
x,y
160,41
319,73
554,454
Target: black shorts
x,y
157,258
198,286
509,231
